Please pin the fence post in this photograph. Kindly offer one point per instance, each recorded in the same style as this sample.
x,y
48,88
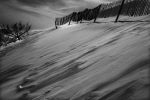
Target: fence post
x,y
56,21
120,10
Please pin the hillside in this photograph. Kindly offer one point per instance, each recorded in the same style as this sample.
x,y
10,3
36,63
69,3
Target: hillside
x,y
87,61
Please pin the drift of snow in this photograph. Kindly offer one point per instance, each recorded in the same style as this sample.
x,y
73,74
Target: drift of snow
x,y
87,61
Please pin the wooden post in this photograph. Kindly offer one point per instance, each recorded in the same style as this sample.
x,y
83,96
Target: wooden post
x,y
56,21
120,10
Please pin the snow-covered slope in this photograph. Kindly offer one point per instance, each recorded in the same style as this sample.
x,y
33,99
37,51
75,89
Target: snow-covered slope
x,y
87,61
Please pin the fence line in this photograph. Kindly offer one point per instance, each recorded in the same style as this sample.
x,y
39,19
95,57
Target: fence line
x,y
130,8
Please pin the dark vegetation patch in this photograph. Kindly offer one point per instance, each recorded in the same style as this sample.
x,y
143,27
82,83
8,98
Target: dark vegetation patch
x,y
12,33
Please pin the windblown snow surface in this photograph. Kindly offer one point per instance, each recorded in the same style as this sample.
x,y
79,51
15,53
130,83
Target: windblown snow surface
x,y
87,61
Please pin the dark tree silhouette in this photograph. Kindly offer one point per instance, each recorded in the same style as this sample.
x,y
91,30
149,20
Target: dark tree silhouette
x,y
12,33
20,29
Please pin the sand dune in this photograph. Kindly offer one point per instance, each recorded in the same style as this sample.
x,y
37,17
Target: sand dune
x,y
87,61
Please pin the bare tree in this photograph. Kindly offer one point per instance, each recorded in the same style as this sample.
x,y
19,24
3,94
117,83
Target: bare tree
x,y
19,30
14,32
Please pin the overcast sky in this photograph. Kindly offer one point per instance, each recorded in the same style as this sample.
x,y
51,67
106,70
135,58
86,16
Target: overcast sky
x,y
41,12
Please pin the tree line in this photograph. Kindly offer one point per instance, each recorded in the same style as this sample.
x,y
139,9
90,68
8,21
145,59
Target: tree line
x,y
12,33
130,8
